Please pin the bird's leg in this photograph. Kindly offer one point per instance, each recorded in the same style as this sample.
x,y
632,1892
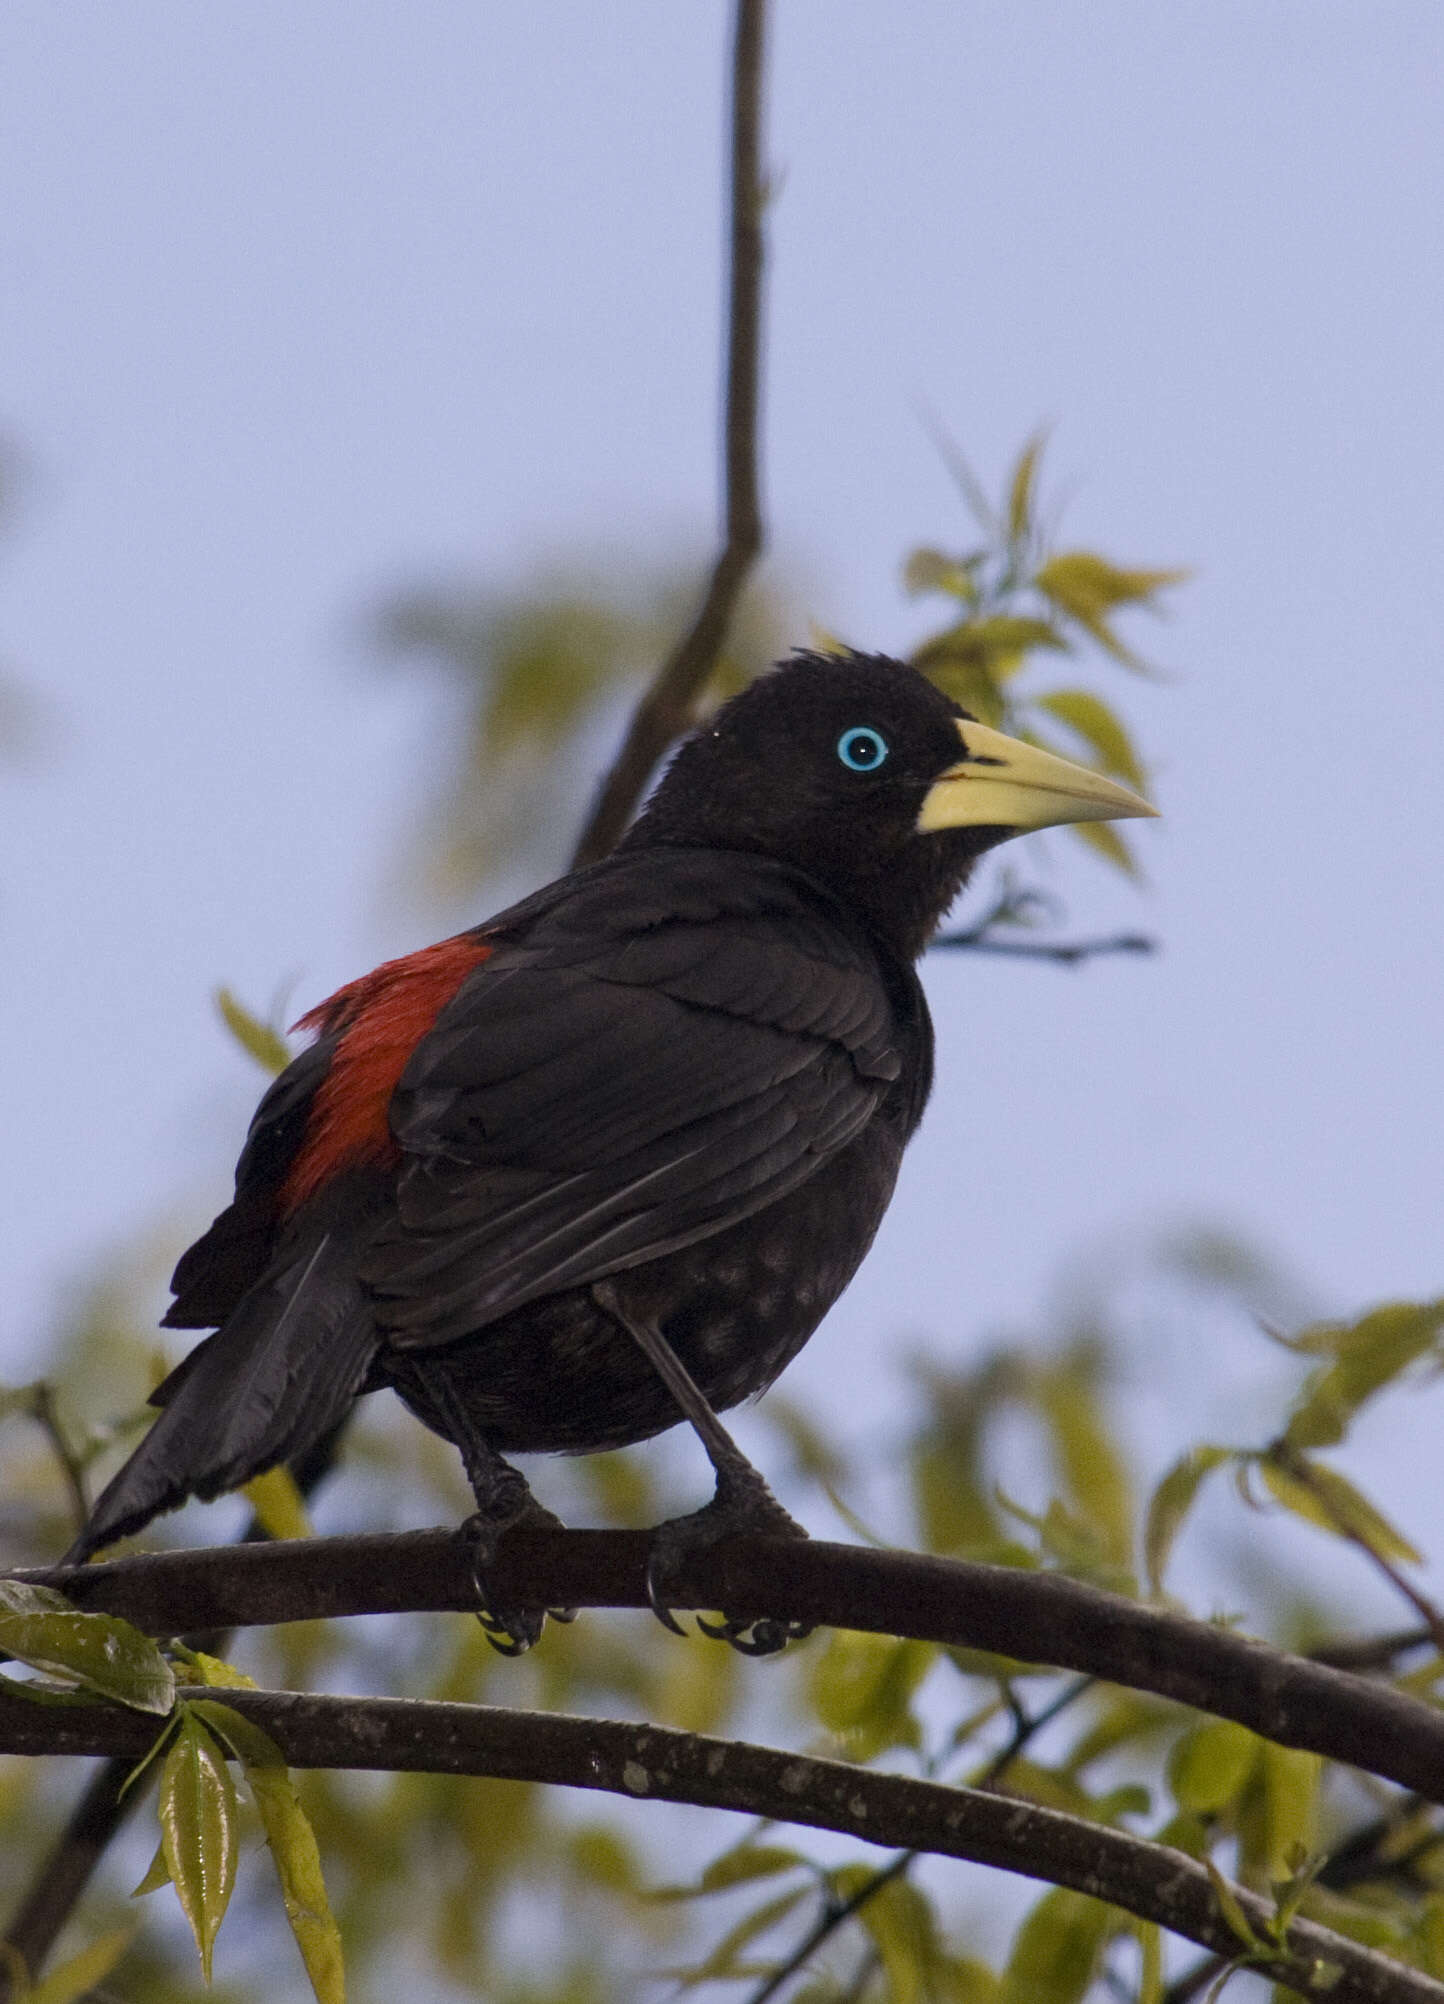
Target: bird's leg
x,y
741,1503
502,1500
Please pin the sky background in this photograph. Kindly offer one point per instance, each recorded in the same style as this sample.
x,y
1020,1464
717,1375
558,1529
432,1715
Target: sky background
x,y
305,304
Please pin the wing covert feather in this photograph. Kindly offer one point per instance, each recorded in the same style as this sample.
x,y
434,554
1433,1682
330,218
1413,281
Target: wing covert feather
x,y
615,1084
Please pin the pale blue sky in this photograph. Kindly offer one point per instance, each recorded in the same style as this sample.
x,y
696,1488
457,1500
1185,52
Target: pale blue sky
x,y
303,302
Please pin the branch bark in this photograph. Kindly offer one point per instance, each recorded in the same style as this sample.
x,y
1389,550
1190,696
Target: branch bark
x,y
1039,1618
657,1764
666,709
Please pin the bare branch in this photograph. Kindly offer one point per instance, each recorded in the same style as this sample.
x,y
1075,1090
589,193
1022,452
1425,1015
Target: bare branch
x,y
666,709
1034,1617
656,1764
1065,952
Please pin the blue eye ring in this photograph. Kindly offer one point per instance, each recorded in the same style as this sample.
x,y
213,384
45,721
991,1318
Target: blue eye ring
x,y
861,748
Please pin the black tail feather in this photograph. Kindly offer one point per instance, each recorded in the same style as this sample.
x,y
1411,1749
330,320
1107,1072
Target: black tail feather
x,y
274,1378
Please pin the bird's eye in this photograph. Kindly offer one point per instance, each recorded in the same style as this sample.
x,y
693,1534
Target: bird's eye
x,y
862,749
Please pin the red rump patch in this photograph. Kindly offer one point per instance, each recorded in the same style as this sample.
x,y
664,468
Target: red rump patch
x,y
381,1019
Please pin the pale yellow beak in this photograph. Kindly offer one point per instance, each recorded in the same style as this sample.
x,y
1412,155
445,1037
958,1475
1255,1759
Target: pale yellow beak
x,y
1002,783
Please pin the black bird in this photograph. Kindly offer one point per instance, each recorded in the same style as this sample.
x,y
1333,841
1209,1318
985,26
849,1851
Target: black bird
x,y
606,1160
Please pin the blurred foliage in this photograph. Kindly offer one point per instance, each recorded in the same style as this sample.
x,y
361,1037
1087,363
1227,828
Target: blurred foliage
x,y
1015,603
540,672
517,1892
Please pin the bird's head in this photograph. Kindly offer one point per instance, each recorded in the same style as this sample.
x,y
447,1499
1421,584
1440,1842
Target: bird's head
x,y
857,770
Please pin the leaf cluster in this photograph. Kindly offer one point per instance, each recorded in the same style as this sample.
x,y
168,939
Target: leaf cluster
x,y
1015,602
451,1866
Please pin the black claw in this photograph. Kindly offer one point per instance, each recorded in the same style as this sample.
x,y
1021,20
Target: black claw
x,y
510,1631
743,1503
655,1594
766,1636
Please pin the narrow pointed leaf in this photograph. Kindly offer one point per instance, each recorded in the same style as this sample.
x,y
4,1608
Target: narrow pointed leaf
x,y
100,1651
260,1041
933,570
278,1504
198,1829
1366,1356
157,1874
1020,488
1322,1496
77,1978
1100,727
293,1847
1104,839
1170,1504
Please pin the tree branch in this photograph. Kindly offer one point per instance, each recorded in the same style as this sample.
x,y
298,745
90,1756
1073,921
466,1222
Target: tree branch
x,y
1065,952
1035,1617
666,709
651,1763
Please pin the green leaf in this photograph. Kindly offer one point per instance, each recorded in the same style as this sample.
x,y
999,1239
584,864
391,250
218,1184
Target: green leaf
x,y
279,1506
1235,1919
1211,1766
1149,1937
1170,1504
1367,1355
1020,488
933,570
293,1846
903,1928
1100,727
1057,1950
1089,1461
1082,581
742,1862
75,1979
261,1041
198,1829
723,1963
1280,1819
862,1687
1322,1496
100,1651
1086,587
1103,838
157,1874
211,1670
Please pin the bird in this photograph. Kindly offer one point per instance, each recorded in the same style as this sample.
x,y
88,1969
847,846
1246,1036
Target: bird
x,y
604,1161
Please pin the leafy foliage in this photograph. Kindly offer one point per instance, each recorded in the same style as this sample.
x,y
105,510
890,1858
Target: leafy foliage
x,y
1017,1459
1022,603
506,1890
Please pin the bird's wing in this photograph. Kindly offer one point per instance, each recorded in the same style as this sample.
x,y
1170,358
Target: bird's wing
x,y
617,1084
225,1262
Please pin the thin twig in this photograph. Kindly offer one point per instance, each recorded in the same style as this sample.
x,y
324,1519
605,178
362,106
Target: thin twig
x,y
46,1416
1063,952
660,1764
666,709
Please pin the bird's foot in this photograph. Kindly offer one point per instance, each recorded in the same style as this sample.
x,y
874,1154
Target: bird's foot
x,y
743,1504
510,1631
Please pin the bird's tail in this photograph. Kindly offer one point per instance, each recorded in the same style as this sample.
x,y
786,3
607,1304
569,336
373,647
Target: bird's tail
x,y
275,1377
